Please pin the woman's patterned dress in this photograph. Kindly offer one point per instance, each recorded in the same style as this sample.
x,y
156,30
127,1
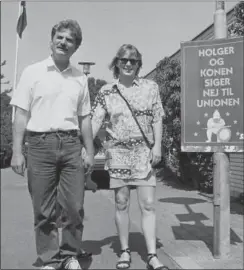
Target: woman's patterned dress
x,y
127,155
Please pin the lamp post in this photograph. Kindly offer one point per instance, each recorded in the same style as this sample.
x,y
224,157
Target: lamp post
x,y
86,67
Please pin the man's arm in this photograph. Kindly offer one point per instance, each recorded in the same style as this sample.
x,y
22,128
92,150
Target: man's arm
x,y
19,127
86,132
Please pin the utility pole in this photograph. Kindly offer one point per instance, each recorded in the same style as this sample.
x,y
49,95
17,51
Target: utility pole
x,y
221,183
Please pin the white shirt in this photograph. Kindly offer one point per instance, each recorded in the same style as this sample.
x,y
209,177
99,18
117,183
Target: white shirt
x,y
54,99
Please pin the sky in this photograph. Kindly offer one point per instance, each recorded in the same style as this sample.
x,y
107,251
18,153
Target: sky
x,y
156,28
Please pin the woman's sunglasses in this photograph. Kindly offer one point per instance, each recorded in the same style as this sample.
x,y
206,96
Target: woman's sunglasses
x,y
125,60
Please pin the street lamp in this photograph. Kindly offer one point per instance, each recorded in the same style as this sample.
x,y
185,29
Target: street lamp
x,y
86,67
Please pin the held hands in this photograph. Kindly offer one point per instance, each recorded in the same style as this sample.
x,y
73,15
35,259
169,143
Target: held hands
x,y
18,163
156,155
88,161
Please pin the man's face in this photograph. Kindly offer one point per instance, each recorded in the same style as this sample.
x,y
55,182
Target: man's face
x,y
63,44
128,64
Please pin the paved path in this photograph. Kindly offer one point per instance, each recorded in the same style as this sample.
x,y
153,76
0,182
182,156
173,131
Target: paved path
x,y
17,236
184,229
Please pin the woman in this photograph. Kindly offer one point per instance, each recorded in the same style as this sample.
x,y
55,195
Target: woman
x,y
129,159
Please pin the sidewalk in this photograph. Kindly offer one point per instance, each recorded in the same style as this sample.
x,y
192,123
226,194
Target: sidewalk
x,y
185,228
184,222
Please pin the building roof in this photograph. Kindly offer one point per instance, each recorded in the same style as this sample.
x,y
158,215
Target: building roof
x,y
229,15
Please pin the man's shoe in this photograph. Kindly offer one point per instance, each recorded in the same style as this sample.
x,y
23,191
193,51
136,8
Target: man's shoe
x,y
72,263
84,255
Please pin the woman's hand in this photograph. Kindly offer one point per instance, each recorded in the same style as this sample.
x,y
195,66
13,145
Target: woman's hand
x,y
156,155
87,160
89,163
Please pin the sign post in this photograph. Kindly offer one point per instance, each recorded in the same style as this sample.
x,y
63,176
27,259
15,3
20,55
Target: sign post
x,y
212,112
221,181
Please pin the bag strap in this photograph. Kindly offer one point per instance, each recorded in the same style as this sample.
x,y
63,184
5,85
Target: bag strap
x,y
149,145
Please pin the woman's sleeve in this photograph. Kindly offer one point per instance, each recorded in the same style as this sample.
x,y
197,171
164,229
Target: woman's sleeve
x,y
157,107
98,112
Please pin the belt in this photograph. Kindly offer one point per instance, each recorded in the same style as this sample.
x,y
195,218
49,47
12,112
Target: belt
x,y
73,132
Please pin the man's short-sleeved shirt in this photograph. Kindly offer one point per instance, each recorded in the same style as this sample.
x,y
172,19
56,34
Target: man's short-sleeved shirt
x,y
54,99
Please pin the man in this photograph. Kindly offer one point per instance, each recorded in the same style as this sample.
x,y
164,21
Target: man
x,y
214,124
52,103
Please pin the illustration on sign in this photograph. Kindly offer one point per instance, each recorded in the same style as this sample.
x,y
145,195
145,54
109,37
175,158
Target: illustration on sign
x,y
216,125
212,92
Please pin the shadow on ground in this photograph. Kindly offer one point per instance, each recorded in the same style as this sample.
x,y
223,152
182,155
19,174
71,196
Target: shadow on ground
x,y
236,207
198,230
85,263
168,178
136,244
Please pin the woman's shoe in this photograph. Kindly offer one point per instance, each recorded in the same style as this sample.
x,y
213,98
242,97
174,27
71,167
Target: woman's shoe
x,y
125,263
150,267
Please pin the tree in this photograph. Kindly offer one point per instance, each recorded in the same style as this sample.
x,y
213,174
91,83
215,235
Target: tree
x,y
236,29
196,168
190,168
6,110
6,122
168,79
94,86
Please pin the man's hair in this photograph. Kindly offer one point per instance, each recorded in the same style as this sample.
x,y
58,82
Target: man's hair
x,y
120,53
73,26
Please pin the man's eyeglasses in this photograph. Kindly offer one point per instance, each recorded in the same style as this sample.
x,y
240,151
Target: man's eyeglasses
x,y
125,60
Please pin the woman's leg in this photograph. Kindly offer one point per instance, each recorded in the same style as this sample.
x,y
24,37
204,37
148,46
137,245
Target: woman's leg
x,y
146,200
122,221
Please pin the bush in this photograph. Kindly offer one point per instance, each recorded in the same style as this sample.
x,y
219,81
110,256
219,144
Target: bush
x,y
194,169
241,198
6,154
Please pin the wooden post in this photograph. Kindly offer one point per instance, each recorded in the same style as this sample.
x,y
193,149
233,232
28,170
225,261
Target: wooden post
x,y
221,241
221,185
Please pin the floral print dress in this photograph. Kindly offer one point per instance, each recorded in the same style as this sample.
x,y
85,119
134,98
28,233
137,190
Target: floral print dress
x,y
127,155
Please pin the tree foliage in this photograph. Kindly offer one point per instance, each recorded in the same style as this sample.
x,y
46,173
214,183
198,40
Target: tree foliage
x,y
6,113
6,121
94,86
236,29
191,168
6,116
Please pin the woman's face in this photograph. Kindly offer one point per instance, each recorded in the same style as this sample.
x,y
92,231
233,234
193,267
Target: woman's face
x,y
128,64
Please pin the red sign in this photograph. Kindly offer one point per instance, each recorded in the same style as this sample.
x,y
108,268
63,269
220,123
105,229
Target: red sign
x,y
212,96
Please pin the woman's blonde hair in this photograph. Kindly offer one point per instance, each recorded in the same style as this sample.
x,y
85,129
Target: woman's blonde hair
x,y
120,53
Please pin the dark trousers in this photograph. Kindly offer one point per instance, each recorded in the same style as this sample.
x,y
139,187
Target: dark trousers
x,y
56,180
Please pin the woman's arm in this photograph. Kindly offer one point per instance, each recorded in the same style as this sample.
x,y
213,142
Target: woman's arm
x,y
158,113
158,132
98,113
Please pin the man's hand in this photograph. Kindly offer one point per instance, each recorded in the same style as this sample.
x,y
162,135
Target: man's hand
x,y
18,163
156,155
89,163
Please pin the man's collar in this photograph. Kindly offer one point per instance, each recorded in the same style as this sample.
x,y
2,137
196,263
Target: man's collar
x,y
50,63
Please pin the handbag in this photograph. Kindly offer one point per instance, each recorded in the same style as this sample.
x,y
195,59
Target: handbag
x,y
149,145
